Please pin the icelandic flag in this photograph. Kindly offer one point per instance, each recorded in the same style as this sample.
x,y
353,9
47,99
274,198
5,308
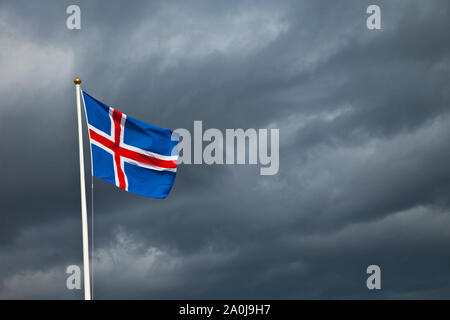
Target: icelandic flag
x,y
133,155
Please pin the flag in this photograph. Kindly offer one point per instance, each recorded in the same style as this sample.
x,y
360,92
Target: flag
x,y
133,155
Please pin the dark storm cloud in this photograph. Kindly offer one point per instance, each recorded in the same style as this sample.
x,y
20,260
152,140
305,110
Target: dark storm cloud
x,y
364,131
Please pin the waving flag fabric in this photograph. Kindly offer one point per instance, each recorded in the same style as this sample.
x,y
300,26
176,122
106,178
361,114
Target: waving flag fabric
x,y
133,155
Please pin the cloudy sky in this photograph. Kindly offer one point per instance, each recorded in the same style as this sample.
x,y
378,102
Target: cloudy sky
x,y
364,120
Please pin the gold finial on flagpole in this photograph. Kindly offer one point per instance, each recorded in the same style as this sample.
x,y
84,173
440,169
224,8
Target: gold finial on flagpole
x,y
77,80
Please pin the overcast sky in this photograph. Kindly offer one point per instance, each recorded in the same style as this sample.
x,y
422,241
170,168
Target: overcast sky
x,y
364,120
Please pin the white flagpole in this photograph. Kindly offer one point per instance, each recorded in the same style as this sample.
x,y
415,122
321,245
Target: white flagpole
x,y
84,223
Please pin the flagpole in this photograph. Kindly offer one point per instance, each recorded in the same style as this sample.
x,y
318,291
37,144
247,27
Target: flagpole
x,y
84,223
